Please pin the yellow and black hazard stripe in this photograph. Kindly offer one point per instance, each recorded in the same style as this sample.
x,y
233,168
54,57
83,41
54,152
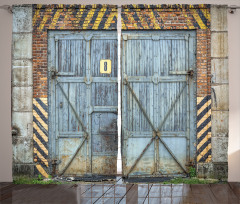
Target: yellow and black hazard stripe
x,y
204,148
166,6
40,136
85,17
153,16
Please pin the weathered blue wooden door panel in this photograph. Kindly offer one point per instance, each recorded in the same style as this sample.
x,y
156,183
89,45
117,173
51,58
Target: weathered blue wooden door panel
x,y
167,165
157,106
104,101
104,142
134,147
71,56
83,103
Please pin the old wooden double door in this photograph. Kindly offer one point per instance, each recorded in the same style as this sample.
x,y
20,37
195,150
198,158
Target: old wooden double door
x,y
157,100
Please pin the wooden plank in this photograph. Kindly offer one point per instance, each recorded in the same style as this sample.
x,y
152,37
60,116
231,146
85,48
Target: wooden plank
x,y
114,195
6,185
223,193
202,193
95,193
235,188
6,190
132,194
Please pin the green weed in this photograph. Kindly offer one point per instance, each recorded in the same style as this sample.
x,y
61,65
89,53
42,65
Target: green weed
x,y
192,172
28,180
190,181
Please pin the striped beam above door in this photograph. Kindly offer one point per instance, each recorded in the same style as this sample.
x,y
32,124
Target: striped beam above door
x,y
94,17
175,16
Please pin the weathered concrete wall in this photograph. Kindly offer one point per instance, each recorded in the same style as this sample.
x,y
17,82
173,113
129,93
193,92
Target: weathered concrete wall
x,y
220,91
22,83
218,167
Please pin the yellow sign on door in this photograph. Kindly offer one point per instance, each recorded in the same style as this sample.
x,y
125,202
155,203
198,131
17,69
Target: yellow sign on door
x,y
105,66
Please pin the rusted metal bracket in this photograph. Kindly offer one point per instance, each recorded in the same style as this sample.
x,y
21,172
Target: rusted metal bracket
x,y
155,37
190,72
125,37
155,79
88,37
88,80
156,135
53,72
54,163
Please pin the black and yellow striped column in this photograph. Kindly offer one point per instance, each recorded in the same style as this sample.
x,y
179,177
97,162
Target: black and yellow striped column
x,y
40,136
204,148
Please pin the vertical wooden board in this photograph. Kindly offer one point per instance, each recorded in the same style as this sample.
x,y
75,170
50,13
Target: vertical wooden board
x,y
156,67
63,109
96,142
58,56
78,57
104,94
68,57
103,49
82,104
73,48
72,122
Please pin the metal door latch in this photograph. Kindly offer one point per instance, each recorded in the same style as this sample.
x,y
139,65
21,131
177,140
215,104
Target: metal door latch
x,y
53,73
190,72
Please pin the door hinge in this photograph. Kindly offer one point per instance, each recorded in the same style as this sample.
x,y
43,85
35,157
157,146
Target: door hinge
x,y
54,73
54,163
190,72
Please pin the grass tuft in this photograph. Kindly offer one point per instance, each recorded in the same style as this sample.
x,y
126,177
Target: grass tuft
x,y
28,180
193,180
